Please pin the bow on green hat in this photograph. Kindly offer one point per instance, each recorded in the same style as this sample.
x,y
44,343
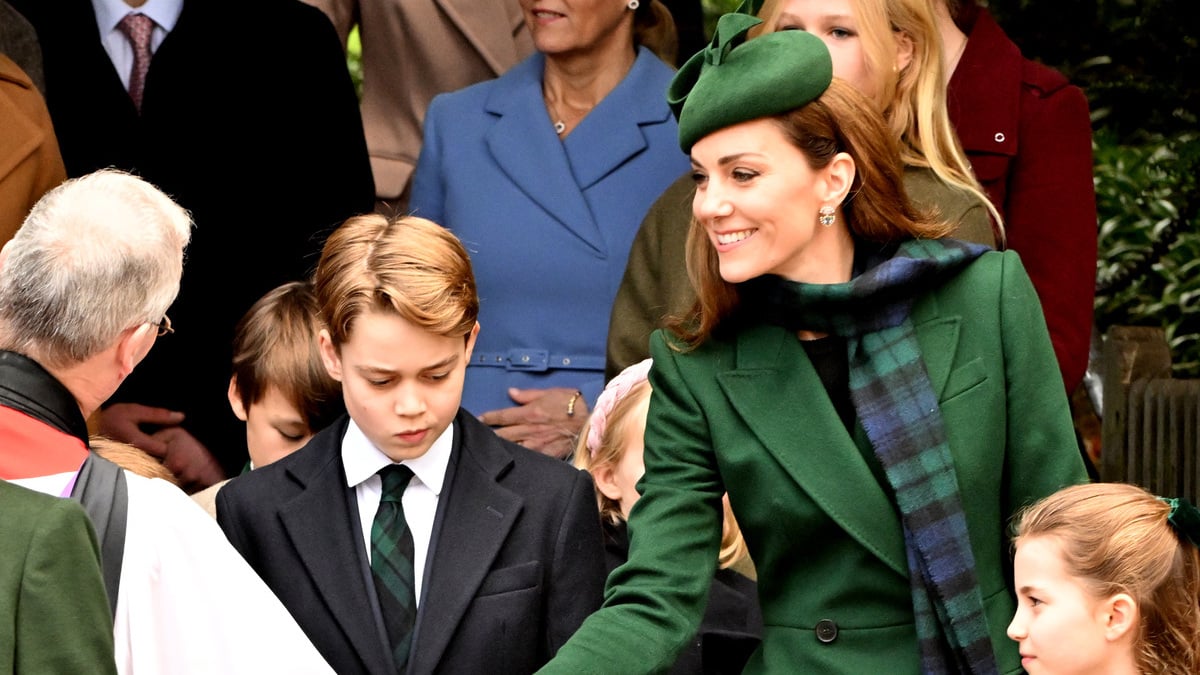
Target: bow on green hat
x,y
735,80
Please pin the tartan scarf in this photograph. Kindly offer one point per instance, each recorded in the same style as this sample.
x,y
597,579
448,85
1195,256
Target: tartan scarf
x,y
898,409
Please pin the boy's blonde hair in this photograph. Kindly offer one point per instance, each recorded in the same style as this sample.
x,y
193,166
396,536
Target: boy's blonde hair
x,y
275,346
406,266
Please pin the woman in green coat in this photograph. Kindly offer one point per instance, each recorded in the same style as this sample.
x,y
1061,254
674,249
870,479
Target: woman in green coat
x,y
877,402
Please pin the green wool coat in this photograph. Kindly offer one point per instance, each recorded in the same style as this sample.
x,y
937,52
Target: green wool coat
x,y
747,413
54,616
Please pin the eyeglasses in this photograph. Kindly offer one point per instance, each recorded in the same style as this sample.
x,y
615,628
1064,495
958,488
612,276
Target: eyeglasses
x,y
164,326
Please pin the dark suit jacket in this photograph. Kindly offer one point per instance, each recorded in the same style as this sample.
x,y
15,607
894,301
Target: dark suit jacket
x,y
516,561
256,132
54,615
747,413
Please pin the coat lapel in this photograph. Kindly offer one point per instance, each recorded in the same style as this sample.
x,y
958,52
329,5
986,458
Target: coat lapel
x,y
773,380
489,27
938,337
323,529
471,527
523,144
612,133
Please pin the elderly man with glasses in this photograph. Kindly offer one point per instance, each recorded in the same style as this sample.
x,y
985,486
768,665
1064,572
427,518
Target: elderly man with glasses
x,y
84,288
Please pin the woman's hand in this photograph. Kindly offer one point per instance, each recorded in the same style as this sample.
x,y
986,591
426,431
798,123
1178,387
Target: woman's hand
x,y
541,421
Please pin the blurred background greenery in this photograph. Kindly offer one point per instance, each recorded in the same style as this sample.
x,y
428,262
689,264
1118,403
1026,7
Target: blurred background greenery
x,y
1137,60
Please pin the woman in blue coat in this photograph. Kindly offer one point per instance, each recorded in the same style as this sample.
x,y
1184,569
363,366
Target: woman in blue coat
x,y
545,174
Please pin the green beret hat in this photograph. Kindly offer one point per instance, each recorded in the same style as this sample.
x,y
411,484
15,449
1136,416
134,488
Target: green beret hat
x,y
735,80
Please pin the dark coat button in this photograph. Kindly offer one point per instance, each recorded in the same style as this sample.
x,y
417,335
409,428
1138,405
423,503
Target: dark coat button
x,y
826,630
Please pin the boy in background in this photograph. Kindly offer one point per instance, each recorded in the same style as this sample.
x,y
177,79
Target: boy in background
x,y
279,386
408,536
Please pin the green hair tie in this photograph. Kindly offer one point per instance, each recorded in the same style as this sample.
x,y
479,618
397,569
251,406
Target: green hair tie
x,y
1184,517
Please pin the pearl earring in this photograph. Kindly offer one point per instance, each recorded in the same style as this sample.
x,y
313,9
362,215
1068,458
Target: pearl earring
x,y
633,4
826,217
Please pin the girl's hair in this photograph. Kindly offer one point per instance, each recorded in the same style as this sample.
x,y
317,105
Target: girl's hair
x,y
912,99
132,459
612,443
1116,539
611,449
876,209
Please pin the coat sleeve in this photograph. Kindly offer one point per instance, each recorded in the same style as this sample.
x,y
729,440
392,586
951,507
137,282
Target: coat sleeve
x,y
1042,454
655,284
1051,212
428,199
63,624
654,602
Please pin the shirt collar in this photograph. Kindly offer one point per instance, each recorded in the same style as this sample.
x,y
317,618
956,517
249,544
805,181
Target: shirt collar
x,y
29,388
361,459
110,12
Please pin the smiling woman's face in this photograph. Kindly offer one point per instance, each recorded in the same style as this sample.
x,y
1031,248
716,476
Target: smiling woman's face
x,y
758,199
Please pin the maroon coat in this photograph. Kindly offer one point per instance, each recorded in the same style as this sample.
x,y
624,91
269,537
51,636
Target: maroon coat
x,y
1028,135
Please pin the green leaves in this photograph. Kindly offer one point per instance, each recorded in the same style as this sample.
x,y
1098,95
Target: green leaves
x,y
1148,268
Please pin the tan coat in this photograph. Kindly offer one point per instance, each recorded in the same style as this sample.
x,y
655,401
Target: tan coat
x,y
413,50
30,163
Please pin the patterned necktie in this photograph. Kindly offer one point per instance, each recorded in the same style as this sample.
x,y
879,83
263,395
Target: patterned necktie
x,y
392,563
137,28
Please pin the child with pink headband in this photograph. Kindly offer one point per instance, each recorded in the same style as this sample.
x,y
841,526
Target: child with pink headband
x,y
610,448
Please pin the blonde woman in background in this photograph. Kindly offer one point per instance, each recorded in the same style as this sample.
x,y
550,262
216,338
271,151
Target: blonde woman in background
x,y
890,50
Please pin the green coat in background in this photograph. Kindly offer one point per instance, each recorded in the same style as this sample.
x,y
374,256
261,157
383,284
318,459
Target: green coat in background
x,y
54,615
655,284
747,413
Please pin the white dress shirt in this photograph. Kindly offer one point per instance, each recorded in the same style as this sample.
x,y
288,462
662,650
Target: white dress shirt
x,y
362,462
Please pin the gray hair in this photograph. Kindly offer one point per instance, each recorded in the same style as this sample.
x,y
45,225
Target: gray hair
x,y
96,255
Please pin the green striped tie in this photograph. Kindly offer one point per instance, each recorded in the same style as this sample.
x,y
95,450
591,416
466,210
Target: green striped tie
x,y
392,563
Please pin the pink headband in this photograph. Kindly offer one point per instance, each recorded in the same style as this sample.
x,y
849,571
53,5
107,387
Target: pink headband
x,y
616,389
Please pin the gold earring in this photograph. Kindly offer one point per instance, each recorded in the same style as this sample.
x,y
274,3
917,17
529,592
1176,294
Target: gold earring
x,y
826,217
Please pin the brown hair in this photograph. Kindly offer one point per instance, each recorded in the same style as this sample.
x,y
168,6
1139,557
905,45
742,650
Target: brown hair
x,y
612,449
1116,539
654,29
877,207
407,266
275,345
132,459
